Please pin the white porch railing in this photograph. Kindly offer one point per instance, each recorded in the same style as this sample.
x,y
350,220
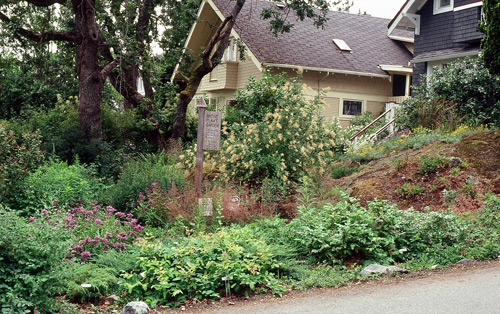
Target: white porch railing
x,y
389,115
397,99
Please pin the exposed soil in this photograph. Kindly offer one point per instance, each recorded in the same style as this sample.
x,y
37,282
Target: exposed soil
x,y
454,184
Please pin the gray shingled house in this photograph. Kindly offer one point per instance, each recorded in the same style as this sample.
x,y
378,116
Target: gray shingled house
x,y
444,31
352,58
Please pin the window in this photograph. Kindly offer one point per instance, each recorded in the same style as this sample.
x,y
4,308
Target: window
x,y
352,107
431,66
341,44
231,53
442,6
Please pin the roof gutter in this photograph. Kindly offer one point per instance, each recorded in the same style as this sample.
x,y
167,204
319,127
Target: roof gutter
x,y
287,66
445,57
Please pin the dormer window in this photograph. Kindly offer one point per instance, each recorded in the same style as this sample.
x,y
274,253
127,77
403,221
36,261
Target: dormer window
x,y
231,53
442,6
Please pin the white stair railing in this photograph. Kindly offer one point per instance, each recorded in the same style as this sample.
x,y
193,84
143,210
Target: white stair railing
x,y
388,114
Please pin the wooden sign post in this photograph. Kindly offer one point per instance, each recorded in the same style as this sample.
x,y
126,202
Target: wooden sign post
x,y
202,106
209,126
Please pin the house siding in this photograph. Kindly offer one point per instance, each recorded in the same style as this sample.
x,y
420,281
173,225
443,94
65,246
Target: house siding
x,y
465,26
443,31
446,30
230,75
418,70
436,31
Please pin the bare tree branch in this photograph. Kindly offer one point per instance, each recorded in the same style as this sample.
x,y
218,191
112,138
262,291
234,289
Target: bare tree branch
x,y
108,68
40,37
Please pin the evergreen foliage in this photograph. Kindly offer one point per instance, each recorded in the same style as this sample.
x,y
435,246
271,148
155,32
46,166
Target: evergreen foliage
x,y
490,26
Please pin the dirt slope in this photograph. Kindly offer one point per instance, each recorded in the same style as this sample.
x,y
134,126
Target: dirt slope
x,y
466,171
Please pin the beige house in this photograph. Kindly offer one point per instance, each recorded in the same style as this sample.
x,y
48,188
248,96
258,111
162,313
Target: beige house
x,y
352,58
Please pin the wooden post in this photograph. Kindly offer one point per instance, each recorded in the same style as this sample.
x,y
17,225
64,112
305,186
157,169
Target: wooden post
x,y
202,106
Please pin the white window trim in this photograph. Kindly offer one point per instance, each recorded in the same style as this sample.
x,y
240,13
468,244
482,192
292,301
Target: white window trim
x,y
341,108
231,53
439,10
468,6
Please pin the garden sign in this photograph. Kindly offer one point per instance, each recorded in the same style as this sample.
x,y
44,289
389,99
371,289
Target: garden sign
x,y
209,126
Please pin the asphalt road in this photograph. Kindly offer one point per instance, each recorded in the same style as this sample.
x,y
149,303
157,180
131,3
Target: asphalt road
x,y
467,291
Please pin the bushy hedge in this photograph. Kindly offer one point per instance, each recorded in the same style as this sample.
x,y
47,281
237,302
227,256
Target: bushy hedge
x,y
60,184
335,233
464,89
18,157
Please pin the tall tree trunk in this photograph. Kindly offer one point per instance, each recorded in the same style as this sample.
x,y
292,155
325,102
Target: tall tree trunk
x,y
212,54
90,78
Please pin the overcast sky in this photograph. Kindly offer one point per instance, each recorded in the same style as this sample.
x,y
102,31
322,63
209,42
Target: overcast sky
x,y
380,8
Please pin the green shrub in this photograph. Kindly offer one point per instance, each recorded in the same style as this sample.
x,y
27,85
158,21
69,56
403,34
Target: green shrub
x,y
18,157
194,267
433,114
75,277
139,174
60,184
30,256
61,136
102,273
335,232
429,164
408,190
466,83
338,232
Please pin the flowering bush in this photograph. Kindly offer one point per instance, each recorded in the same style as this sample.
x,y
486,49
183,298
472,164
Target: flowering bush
x,y
95,228
288,141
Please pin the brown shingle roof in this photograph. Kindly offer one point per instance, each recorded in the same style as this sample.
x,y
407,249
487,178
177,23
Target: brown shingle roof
x,y
308,46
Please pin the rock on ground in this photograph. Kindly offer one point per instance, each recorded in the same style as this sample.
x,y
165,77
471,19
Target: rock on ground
x,y
380,269
136,308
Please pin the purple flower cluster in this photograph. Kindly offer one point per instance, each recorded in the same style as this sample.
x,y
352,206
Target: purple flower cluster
x,y
99,229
